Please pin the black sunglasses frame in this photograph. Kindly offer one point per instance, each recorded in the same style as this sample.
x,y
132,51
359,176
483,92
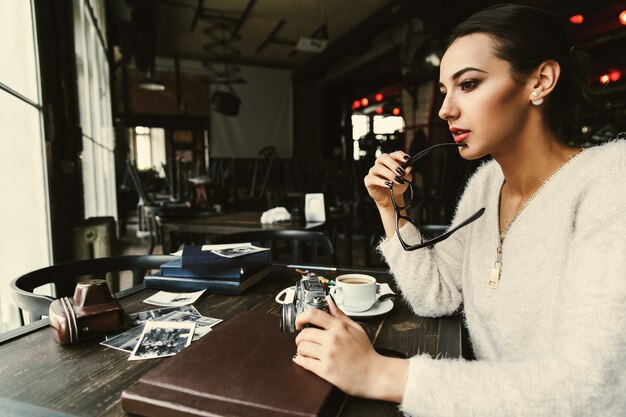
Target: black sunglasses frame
x,y
398,209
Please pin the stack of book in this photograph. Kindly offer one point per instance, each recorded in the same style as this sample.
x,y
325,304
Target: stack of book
x,y
201,269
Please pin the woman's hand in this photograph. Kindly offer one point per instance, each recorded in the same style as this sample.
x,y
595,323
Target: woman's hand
x,y
340,352
387,170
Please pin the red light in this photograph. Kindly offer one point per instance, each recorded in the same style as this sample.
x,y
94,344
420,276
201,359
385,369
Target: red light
x,y
615,75
356,104
379,110
378,97
622,17
395,111
604,79
577,19
364,102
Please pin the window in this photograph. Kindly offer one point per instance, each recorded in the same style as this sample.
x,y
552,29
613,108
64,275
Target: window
x,y
360,128
388,124
95,109
383,129
150,149
24,210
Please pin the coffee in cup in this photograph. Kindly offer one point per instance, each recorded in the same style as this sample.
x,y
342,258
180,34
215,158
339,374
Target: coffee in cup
x,y
354,292
356,280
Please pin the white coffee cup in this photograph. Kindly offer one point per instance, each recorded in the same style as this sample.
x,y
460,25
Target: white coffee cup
x,y
354,292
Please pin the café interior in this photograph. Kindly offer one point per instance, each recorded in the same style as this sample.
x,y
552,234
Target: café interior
x,y
211,107
135,127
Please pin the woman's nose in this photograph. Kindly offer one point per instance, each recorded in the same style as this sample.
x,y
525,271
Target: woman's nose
x,y
448,110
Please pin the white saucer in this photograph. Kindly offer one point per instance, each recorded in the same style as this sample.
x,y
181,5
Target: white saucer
x,y
379,308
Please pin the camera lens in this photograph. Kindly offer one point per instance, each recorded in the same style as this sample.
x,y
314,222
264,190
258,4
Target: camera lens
x,y
288,318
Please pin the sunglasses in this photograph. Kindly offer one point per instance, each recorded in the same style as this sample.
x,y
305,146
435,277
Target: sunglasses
x,y
399,209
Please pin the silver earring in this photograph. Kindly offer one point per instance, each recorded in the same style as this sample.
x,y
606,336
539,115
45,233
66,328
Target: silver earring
x,y
536,101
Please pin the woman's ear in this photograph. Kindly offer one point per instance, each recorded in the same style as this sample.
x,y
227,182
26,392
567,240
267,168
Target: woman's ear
x,y
544,79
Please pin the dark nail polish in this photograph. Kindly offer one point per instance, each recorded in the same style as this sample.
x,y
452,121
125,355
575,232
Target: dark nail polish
x,y
388,183
294,356
406,157
399,180
400,171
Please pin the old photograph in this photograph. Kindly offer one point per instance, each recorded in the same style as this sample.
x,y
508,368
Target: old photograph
x,y
143,316
162,338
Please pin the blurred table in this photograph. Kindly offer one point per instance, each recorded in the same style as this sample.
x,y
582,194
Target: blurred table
x,y
203,187
42,378
244,221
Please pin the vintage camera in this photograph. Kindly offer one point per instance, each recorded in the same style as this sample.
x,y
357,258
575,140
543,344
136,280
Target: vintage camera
x,y
92,311
309,293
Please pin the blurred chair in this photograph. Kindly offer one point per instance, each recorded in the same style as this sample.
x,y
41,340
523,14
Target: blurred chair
x,y
150,214
150,227
144,197
262,167
65,276
148,209
304,245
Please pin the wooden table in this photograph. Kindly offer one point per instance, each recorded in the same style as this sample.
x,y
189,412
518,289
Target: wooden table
x,y
42,378
241,221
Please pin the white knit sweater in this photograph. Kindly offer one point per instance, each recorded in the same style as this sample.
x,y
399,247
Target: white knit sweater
x,y
551,339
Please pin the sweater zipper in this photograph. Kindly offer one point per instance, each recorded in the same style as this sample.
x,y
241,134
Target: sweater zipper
x,y
496,271
494,277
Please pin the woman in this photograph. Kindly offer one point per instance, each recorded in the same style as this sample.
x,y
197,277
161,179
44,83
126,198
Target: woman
x,y
540,274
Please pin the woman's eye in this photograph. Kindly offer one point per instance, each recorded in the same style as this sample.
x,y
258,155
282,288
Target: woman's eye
x,y
467,85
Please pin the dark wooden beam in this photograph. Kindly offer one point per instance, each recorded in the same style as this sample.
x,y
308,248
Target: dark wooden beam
x,y
197,15
270,37
244,17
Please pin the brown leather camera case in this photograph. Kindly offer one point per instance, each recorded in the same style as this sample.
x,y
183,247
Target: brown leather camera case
x,y
92,312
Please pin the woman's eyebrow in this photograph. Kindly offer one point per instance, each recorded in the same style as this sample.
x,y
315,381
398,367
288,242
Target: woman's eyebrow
x,y
461,72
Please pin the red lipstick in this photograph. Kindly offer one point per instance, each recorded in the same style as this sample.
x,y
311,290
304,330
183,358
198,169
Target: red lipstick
x,y
459,135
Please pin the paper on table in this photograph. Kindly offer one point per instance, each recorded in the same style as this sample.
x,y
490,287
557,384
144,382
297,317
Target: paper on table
x,y
128,340
164,298
213,248
143,316
203,324
238,251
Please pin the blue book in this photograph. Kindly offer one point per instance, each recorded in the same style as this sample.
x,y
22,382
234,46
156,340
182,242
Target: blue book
x,y
174,268
214,286
193,256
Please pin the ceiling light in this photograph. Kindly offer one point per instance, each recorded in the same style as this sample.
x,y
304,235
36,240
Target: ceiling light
x,y
433,59
577,19
150,84
314,45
